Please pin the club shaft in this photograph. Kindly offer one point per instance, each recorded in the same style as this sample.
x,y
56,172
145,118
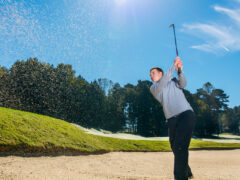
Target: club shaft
x,y
175,39
179,69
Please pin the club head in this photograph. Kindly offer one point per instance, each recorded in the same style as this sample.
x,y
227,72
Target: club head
x,y
171,25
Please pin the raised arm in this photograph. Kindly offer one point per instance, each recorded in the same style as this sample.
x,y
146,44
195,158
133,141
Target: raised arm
x,y
181,81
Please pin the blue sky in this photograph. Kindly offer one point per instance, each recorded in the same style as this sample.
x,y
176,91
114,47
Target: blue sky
x,y
122,39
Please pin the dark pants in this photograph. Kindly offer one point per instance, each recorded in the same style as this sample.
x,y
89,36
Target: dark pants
x,y
180,130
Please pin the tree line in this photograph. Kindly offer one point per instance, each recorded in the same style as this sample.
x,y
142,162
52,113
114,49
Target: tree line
x,y
41,88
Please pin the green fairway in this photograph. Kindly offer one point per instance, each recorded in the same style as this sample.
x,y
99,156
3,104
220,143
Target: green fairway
x,y
25,132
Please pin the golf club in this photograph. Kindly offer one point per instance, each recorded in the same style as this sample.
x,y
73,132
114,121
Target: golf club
x,y
172,25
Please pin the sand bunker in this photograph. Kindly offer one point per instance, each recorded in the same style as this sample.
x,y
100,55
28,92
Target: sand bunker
x,y
206,165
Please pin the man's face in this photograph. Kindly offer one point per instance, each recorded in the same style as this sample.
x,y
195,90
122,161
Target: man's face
x,y
155,75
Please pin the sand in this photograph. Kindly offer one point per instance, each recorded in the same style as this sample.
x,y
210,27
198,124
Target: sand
x,y
206,165
222,138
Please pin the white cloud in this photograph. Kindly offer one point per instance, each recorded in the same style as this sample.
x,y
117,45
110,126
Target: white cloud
x,y
217,37
234,14
220,33
204,47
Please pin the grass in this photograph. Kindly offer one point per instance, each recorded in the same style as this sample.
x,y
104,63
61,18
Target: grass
x,y
24,132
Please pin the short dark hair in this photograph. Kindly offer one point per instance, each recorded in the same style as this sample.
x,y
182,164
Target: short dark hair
x,y
157,68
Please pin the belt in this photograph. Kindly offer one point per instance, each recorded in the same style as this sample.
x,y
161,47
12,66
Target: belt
x,y
176,115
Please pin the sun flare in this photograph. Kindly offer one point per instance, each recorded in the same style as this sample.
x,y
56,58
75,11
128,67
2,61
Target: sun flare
x,y
120,2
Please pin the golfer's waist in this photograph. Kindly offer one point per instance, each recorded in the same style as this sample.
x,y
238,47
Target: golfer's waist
x,y
177,114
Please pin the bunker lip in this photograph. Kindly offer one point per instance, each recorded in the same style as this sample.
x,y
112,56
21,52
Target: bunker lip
x,y
101,132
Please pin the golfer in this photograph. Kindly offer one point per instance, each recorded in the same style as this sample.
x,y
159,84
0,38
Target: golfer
x,y
179,114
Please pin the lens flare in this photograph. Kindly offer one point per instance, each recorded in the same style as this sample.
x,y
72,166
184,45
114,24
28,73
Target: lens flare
x,y
120,2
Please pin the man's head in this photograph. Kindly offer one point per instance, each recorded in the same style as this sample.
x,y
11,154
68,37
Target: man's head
x,y
156,73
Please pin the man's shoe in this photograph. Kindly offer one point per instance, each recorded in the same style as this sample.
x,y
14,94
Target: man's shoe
x,y
190,177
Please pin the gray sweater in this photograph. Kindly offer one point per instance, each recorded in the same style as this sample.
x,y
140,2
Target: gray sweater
x,y
168,91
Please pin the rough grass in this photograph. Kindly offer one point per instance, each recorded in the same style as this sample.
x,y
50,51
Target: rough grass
x,y
24,132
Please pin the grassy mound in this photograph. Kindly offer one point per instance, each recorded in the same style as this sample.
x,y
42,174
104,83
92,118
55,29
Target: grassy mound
x,y
29,132
25,132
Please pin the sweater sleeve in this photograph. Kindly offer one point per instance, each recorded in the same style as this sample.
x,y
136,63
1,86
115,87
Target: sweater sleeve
x,y
181,80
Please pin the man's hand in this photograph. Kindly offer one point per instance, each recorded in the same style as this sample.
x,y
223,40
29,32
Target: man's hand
x,y
178,63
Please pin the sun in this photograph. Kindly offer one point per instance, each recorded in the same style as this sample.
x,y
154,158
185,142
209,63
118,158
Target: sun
x,y
120,2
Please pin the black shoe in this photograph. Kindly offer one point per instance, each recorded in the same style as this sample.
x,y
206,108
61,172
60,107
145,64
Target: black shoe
x,y
190,177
